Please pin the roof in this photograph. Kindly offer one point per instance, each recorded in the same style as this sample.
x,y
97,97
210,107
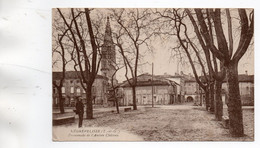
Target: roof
x,y
241,78
245,78
71,75
186,78
146,80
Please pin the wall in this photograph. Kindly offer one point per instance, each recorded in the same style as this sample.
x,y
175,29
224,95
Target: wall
x,y
162,95
246,91
72,85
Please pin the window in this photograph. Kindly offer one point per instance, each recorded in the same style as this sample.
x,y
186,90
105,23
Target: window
x,y
78,91
71,89
71,81
63,89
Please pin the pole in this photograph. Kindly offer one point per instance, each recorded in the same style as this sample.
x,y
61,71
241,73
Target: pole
x,y
152,84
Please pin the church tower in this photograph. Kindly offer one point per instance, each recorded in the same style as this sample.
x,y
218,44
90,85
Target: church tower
x,y
108,60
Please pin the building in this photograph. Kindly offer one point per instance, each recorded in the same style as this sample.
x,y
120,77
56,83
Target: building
x,y
72,87
187,87
165,91
191,88
179,81
108,51
246,88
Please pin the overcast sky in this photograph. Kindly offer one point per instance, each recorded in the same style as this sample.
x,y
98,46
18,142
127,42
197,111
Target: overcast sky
x,y
165,63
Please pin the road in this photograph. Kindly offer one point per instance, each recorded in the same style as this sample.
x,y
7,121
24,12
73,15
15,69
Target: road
x,y
168,123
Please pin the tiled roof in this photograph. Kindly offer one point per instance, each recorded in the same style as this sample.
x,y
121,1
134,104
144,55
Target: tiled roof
x,y
71,75
241,78
146,80
187,78
246,78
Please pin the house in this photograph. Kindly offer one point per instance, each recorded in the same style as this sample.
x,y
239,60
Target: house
x,y
187,87
191,89
246,88
164,91
179,81
72,89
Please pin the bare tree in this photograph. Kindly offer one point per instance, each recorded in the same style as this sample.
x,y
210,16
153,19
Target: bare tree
x,y
132,34
225,52
58,48
176,26
114,87
215,75
86,51
173,21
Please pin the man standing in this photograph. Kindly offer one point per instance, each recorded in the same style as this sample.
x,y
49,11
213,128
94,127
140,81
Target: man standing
x,y
80,111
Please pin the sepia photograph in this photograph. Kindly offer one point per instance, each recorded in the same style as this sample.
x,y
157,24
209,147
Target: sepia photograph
x,y
153,74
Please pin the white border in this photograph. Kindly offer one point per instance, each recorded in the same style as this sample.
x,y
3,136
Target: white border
x,y
28,22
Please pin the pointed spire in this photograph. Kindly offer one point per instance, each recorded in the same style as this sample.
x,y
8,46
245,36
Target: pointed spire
x,y
108,32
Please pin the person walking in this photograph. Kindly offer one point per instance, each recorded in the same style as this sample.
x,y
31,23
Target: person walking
x,y
80,111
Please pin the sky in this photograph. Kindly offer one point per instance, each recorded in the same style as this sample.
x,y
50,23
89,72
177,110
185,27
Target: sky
x,y
163,61
25,47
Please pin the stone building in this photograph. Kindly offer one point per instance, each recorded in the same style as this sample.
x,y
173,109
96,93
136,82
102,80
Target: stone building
x,y
108,51
246,88
191,89
72,88
179,81
165,91
187,87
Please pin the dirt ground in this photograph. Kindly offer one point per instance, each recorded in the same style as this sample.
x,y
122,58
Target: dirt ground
x,y
172,123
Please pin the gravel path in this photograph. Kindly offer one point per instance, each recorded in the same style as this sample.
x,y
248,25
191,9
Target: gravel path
x,y
171,123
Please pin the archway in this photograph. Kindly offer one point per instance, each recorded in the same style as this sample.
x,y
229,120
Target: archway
x,y
190,99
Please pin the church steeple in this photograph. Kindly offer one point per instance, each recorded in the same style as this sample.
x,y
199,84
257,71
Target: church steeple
x,y
108,33
108,53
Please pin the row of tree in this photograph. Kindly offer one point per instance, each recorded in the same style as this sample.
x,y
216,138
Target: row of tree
x,y
204,36
208,34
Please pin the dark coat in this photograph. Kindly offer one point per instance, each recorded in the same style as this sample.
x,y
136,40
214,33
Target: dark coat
x,y
79,108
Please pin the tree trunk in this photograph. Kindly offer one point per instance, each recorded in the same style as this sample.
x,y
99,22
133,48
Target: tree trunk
x,y
134,98
116,102
89,110
200,98
61,102
211,97
207,99
234,102
218,100
117,106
